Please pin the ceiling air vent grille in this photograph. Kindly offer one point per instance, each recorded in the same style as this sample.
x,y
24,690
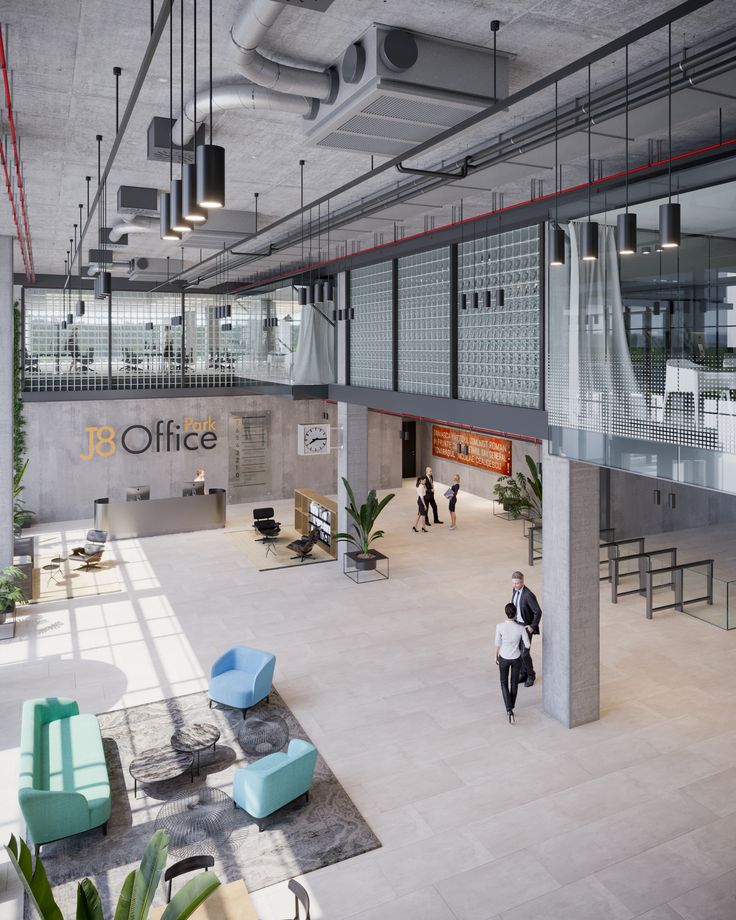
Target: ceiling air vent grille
x,y
379,145
386,127
426,113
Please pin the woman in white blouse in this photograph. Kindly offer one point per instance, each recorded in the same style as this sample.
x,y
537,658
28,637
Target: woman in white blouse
x,y
421,504
509,635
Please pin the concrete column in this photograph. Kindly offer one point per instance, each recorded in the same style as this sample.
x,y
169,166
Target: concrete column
x,y
571,596
352,463
6,401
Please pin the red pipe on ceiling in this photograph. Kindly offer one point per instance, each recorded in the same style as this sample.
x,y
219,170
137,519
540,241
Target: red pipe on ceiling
x,y
12,205
19,175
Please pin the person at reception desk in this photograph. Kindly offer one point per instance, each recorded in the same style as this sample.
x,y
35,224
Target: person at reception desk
x,y
199,475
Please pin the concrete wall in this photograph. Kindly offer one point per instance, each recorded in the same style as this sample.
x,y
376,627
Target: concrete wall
x,y
479,482
627,505
60,485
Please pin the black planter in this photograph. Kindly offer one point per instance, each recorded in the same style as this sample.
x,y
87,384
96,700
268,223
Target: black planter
x,y
364,564
7,611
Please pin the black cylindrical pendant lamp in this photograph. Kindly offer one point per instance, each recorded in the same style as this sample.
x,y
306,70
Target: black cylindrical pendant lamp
x,y
103,285
463,301
79,310
176,216
326,292
70,319
302,297
63,324
164,210
148,327
669,225
190,209
589,241
555,244
500,297
210,176
626,233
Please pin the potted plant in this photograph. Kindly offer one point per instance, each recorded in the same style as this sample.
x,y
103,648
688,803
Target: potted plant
x,y
10,591
364,519
521,493
136,897
21,515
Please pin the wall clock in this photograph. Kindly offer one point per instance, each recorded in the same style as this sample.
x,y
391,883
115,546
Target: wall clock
x,y
313,439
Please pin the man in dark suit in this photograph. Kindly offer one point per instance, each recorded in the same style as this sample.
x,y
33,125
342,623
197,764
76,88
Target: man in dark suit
x,y
528,613
429,497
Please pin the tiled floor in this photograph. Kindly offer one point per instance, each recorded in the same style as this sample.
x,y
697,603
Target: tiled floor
x,y
632,816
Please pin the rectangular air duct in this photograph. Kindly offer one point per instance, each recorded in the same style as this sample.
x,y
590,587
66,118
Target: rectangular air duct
x,y
134,199
159,140
393,104
222,227
145,269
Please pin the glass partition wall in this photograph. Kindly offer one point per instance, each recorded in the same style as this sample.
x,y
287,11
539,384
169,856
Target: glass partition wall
x,y
642,347
142,341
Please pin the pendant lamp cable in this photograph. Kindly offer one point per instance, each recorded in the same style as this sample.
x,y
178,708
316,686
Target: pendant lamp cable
x,y
626,122
81,206
557,182
590,171
171,88
194,69
210,24
669,113
181,83
301,200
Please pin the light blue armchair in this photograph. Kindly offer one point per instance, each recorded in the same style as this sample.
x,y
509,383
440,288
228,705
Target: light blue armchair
x,y
241,678
268,784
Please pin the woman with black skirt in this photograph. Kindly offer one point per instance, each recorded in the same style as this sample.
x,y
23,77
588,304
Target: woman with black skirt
x,y
454,488
421,504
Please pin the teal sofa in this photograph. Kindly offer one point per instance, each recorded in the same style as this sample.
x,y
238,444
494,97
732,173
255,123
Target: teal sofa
x,y
64,788
268,784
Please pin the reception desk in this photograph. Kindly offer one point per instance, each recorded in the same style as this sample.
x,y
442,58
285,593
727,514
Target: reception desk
x,y
154,517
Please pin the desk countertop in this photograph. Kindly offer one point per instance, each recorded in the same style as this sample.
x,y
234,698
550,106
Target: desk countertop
x,y
230,901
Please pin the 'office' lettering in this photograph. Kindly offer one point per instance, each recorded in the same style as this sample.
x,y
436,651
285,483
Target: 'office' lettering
x,y
166,437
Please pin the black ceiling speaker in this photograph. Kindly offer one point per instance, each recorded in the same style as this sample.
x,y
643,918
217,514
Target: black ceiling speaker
x,y
669,214
210,160
626,223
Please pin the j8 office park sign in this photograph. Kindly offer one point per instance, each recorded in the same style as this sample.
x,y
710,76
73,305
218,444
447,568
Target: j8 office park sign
x,y
162,436
480,450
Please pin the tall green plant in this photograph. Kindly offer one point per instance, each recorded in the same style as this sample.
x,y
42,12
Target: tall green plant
x,y
19,434
521,493
136,897
364,518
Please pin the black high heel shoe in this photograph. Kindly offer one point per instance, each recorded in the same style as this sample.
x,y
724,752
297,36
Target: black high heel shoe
x,y
512,719
415,530
424,530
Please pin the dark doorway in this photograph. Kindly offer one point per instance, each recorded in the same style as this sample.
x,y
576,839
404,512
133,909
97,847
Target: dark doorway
x,y
409,448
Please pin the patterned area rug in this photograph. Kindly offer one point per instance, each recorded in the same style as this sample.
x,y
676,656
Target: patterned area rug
x,y
67,578
278,556
298,839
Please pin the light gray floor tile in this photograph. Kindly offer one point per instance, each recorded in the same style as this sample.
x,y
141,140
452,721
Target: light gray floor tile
x,y
716,900
482,893
583,900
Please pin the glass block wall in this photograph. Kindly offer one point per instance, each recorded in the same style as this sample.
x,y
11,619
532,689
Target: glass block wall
x,y
499,318
370,327
424,323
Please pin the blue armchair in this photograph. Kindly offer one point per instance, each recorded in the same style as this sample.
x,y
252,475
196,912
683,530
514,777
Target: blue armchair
x,y
241,678
268,784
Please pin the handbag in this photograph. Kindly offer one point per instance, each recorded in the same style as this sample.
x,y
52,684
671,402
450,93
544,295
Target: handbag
x,y
449,493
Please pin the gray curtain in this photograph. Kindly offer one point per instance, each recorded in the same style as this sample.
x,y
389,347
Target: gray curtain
x,y
314,361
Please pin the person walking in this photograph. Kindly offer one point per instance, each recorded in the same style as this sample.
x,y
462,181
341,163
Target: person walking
x,y
451,493
511,637
528,615
431,503
421,505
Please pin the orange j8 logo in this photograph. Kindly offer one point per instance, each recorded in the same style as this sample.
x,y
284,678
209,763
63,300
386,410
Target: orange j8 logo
x,y
100,442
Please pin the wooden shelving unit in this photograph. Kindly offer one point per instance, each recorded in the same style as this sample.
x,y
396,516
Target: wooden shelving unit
x,y
314,510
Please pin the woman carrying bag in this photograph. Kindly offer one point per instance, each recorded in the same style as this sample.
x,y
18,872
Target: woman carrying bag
x,y
451,493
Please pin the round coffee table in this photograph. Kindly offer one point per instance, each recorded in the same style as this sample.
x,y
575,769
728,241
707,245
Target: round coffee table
x,y
261,735
197,822
160,764
195,738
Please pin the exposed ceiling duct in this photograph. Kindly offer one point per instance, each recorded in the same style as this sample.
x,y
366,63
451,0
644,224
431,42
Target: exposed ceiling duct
x,y
123,225
248,32
238,96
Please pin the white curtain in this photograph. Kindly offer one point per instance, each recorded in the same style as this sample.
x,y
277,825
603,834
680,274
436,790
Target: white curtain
x,y
314,360
590,359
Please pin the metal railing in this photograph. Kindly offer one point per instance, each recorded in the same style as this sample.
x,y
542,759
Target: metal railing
x,y
612,548
638,564
534,542
678,579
